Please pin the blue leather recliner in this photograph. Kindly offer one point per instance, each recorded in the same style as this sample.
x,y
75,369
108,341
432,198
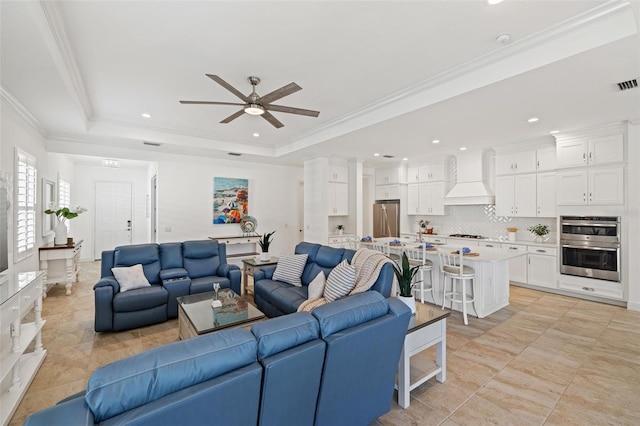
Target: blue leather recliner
x,y
335,366
172,269
276,298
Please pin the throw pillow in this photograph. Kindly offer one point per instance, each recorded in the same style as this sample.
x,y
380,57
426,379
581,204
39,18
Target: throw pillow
x,y
131,277
316,287
340,281
289,269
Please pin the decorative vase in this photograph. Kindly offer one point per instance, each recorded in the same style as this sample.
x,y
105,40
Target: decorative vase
x,y
512,236
410,302
60,238
539,239
340,231
264,256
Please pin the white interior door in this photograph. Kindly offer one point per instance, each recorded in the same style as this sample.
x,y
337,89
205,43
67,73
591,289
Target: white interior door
x,y
113,215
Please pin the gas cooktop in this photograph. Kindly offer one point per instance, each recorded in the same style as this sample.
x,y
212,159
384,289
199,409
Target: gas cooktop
x,y
475,237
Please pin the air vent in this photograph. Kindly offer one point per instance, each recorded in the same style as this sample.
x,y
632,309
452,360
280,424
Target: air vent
x,y
388,156
630,84
235,154
151,143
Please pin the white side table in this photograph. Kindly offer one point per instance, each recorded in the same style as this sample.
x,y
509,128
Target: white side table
x,y
60,264
426,328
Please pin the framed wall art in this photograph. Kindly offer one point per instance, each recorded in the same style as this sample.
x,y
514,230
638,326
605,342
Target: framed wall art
x,y
230,199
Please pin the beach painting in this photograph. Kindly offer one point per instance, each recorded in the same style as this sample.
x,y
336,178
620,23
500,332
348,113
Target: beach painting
x,y
230,199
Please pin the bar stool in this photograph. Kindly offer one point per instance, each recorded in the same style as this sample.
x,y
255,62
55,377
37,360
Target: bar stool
x,y
452,266
386,249
418,257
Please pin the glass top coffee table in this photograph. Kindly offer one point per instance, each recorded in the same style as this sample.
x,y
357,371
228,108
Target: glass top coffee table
x,y
197,316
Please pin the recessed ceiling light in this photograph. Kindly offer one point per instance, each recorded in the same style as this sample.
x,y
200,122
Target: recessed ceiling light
x,y
533,119
435,141
553,132
256,135
405,159
504,38
492,2
376,155
463,148
146,115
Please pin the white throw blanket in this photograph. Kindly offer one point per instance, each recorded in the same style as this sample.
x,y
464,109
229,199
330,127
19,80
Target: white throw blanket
x,y
367,264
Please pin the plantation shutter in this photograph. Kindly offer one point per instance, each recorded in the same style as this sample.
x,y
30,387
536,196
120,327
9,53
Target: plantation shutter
x,y
25,204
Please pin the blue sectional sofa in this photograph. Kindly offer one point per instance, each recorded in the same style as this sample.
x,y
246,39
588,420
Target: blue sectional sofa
x,y
335,366
276,298
172,269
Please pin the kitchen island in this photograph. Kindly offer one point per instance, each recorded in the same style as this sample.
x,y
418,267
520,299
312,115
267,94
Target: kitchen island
x,y
491,282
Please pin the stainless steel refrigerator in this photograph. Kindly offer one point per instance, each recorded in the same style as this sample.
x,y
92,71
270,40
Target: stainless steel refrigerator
x,y
386,218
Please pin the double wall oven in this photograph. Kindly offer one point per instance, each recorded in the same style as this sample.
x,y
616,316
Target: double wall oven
x,y
590,246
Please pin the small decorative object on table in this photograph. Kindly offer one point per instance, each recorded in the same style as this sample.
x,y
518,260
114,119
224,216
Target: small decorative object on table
x,y
340,229
422,223
63,214
539,231
405,279
265,242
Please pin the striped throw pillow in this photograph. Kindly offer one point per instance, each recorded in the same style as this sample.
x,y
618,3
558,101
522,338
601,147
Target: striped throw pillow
x,y
289,269
340,281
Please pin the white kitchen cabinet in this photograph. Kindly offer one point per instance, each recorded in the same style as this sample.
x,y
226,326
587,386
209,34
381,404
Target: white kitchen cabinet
x,y
546,159
591,287
389,176
431,173
515,195
595,186
387,192
426,198
542,266
340,241
413,174
517,265
338,174
590,151
546,194
338,199
516,162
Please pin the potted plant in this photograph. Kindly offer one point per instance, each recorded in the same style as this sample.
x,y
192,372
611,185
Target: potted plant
x,y
422,223
405,278
340,229
265,242
539,231
63,214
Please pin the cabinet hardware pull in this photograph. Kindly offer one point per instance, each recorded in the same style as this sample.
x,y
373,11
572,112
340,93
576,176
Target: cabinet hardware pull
x,y
541,251
588,289
488,245
513,248
584,157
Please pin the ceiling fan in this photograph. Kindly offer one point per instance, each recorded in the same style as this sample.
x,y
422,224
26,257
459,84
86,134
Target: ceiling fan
x,y
258,105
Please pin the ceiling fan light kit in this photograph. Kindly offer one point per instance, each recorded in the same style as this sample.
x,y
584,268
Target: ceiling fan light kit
x,y
255,104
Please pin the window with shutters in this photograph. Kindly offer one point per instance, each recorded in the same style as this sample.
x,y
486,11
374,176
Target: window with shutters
x,y
64,196
25,204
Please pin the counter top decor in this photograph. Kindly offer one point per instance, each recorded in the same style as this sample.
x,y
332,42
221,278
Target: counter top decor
x,y
539,231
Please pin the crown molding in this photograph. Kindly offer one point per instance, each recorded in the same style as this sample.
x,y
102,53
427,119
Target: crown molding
x,y
55,36
598,26
17,107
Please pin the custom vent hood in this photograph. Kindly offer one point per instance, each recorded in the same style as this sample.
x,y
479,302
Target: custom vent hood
x,y
472,187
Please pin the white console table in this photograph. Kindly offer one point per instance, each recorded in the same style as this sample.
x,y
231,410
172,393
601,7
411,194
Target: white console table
x,y
239,248
60,264
19,294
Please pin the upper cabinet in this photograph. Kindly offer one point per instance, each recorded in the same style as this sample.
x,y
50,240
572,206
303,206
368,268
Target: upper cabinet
x,y
338,199
594,186
516,162
426,173
587,151
546,159
390,176
338,173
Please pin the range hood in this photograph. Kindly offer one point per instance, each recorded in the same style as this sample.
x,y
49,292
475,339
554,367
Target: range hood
x,y
472,187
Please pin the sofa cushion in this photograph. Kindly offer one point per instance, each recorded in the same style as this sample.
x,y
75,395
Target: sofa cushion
x,y
316,287
289,269
201,258
130,277
283,296
140,299
147,255
148,376
281,333
324,258
202,284
340,281
350,311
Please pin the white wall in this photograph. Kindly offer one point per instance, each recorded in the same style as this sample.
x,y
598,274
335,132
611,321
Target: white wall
x,y
632,215
185,199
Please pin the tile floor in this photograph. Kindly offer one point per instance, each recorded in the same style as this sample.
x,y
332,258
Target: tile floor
x,y
545,359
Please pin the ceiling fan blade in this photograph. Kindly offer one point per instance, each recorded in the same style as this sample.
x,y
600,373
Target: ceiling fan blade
x,y
227,86
233,116
208,103
279,93
292,110
271,119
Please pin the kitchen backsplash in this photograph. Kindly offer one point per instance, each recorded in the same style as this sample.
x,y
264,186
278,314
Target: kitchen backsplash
x,y
482,220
